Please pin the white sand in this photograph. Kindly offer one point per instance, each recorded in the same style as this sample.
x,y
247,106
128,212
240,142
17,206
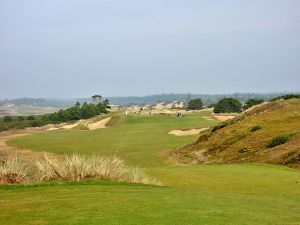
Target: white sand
x,y
70,126
187,132
99,124
224,118
53,128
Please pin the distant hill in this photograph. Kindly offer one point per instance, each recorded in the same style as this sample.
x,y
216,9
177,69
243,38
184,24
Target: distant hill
x,y
138,100
62,103
207,99
251,137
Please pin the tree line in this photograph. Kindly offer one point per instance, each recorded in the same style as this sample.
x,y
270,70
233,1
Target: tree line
x,y
76,112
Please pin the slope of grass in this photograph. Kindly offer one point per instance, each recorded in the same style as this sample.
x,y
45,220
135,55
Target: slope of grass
x,y
244,194
237,142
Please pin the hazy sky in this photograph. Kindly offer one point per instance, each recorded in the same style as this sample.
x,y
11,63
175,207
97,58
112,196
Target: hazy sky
x,y
75,48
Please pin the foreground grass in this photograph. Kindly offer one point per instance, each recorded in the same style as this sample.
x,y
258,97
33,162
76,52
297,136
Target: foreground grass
x,y
111,203
241,194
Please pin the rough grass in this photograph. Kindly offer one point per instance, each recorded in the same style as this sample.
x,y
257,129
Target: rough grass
x,y
13,170
243,140
75,167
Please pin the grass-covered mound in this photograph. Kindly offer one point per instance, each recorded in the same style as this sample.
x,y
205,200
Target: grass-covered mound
x,y
267,133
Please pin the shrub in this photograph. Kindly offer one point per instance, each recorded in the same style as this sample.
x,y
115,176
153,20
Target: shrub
x,y
7,119
251,102
278,140
195,104
21,118
220,126
30,117
36,123
286,97
255,128
212,105
228,105
292,157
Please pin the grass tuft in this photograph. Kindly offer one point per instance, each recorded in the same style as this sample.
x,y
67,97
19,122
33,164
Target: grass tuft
x,y
14,171
255,128
78,167
279,140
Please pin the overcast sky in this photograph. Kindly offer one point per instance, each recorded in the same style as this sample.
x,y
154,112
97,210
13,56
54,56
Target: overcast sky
x,y
76,48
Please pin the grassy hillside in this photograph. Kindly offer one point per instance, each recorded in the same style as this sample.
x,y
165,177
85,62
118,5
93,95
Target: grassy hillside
x,y
244,194
248,138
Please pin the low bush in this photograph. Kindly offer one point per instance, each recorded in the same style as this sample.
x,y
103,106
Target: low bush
x,y
252,102
292,157
255,128
30,117
7,119
279,140
286,97
220,126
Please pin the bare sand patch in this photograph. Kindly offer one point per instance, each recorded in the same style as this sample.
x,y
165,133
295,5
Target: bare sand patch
x,y
193,131
207,118
70,126
224,117
99,124
52,128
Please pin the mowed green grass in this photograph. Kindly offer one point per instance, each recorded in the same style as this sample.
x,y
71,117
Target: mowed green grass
x,y
192,194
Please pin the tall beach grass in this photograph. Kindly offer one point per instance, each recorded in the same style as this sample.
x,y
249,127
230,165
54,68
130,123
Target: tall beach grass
x,y
74,167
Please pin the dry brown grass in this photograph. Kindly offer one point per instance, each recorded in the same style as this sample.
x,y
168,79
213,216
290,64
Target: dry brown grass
x,y
14,170
236,143
75,167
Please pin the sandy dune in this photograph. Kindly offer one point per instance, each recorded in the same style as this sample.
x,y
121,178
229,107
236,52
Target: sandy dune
x,y
99,124
187,132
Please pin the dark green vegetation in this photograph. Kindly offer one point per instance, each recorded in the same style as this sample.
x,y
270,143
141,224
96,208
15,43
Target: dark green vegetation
x,y
286,97
228,105
252,102
7,119
279,140
195,104
255,128
268,133
244,194
76,112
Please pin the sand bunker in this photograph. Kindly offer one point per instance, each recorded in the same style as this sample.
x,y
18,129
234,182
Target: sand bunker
x,y
224,118
207,118
52,128
99,124
188,132
70,126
